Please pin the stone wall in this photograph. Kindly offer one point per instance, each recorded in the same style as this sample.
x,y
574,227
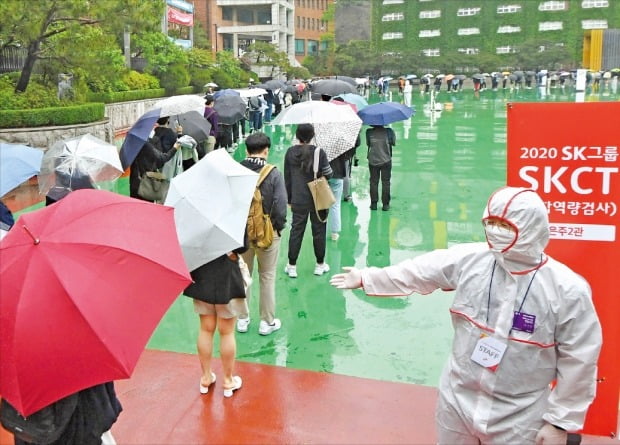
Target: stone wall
x,y
119,118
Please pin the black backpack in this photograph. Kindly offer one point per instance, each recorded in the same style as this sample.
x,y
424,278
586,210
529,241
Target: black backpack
x,y
42,427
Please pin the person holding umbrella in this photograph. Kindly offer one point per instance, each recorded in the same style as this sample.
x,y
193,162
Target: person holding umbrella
x,y
211,115
148,159
298,171
380,140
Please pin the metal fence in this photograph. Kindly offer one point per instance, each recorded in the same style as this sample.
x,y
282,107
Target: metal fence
x,y
12,59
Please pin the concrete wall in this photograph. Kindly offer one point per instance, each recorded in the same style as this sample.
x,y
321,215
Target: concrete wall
x,y
119,118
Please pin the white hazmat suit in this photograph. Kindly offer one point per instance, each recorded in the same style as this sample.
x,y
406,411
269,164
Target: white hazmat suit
x,y
555,334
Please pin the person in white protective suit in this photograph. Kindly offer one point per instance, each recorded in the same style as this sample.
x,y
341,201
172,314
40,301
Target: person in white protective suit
x,y
521,321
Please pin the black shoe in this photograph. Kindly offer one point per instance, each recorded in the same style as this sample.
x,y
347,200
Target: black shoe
x,y
348,198
373,206
386,207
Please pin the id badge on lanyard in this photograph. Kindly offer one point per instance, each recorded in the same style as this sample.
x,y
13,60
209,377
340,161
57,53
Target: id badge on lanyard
x,y
489,352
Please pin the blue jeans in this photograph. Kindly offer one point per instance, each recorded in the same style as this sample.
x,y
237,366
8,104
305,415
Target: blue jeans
x,y
333,222
256,120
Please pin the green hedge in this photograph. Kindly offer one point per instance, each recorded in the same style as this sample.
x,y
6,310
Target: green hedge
x,y
57,116
125,96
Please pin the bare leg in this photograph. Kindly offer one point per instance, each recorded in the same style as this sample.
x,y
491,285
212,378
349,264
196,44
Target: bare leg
x,y
228,348
205,346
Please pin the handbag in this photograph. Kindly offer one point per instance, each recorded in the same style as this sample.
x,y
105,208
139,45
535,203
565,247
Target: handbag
x,y
153,186
322,194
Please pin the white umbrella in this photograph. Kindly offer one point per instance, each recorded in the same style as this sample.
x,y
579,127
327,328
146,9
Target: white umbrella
x,y
251,92
180,104
211,202
314,112
73,162
336,138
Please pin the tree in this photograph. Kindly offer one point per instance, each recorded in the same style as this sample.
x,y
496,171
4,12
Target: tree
x,y
266,54
35,25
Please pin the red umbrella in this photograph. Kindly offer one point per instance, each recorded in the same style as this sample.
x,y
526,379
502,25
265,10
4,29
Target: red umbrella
x,y
83,284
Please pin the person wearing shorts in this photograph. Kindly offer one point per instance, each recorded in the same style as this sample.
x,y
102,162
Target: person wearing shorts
x,y
218,291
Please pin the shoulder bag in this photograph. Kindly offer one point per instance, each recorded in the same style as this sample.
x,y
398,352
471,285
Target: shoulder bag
x,y
153,186
322,194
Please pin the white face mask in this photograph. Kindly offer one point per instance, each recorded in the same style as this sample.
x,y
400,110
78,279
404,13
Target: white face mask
x,y
499,237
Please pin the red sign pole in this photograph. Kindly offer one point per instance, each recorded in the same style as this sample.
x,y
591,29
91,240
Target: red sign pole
x,y
568,153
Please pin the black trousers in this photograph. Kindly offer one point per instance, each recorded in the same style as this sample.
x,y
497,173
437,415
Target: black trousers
x,y
384,173
298,227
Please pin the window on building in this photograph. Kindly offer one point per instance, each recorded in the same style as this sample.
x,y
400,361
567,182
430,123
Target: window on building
x,y
553,5
429,33
313,47
469,50
227,13
392,35
585,4
550,26
594,24
300,47
508,9
323,46
263,17
508,29
464,12
505,50
393,17
245,15
298,22
468,31
430,14
393,2
431,52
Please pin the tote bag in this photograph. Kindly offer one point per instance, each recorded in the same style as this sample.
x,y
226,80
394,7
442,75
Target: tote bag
x,y
153,186
322,194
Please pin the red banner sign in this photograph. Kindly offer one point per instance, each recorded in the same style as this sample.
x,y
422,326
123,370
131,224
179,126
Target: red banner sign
x,y
180,18
568,153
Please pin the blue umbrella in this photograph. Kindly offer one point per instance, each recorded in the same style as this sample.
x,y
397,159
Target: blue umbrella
x,y
354,99
17,164
137,135
226,92
385,113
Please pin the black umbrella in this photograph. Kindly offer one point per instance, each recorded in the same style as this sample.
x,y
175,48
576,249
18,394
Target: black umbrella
x,y
272,84
195,125
332,87
230,109
346,79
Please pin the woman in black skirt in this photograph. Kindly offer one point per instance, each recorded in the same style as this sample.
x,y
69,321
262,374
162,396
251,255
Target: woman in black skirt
x,y
219,296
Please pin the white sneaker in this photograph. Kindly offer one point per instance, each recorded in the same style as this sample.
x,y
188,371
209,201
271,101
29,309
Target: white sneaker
x,y
320,269
242,324
335,236
266,328
291,271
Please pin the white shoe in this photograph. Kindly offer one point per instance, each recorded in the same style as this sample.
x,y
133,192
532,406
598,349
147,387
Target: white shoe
x,y
242,324
320,269
291,271
266,328
335,236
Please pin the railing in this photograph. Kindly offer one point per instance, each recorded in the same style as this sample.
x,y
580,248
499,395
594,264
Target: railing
x,y
12,59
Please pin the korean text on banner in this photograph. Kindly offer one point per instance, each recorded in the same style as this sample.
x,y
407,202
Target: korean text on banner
x,y
180,18
568,153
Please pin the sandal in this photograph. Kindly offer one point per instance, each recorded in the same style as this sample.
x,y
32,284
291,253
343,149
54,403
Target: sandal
x,y
228,392
205,389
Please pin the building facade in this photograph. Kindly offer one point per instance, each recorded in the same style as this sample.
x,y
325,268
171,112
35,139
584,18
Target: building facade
x,y
309,25
235,24
434,28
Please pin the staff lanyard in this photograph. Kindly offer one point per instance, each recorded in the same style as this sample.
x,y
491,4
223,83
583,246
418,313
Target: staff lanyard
x,y
524,296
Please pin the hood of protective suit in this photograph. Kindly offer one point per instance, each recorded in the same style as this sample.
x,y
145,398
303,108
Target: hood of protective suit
x,y
525,211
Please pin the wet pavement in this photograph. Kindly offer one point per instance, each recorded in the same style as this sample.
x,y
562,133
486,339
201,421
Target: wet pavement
x,y
444,167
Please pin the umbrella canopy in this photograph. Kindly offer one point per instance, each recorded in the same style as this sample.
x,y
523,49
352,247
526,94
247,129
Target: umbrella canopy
x,y
347,79
428,76
461,76
211,201
411,76
251,92
226,92
17,164
272,84
84,156
179,104
102,285
230,109
211,85
195,125
449,77
335,138
477,76
313,112
137,135
332,87
354,99
384,113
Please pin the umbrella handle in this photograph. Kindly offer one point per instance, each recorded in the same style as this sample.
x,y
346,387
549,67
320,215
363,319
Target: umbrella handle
x,y
35,239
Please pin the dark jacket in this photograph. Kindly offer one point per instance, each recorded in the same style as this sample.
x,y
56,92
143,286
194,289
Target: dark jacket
x,y
273,191
339,164
380,141
166,138
149,159
298,172
7,221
